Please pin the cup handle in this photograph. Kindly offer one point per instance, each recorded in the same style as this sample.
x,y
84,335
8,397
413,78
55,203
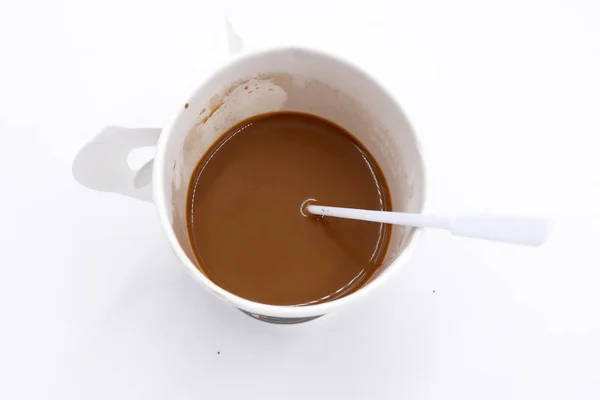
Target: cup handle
x,y
102,163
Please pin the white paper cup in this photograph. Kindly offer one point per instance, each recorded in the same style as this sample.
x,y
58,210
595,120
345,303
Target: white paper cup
x,y
281,79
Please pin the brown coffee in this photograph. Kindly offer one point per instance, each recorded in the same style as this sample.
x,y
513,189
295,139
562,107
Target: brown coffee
x,y
244,218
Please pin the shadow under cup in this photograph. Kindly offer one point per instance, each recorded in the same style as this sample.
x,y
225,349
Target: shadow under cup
x,y
289,79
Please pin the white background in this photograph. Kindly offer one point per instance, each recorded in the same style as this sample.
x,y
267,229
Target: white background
x,y
506,99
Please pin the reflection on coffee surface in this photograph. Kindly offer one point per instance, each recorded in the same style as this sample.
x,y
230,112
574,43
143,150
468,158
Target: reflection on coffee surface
x,y
244,219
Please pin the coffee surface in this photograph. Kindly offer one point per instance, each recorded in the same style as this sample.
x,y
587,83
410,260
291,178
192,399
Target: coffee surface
x,y
244,218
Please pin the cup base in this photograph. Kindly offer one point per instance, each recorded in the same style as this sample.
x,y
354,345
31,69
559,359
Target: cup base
x,y
277,320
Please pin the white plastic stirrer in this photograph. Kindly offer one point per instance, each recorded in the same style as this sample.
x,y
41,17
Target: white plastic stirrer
x,y
520,230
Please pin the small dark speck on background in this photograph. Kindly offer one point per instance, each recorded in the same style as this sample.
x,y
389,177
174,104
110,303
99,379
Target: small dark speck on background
x,y
186,105
434,291
218,352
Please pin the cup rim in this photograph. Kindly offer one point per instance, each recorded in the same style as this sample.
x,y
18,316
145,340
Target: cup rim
x,y
283,311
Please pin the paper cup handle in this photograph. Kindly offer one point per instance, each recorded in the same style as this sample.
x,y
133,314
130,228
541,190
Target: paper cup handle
x,y
102,163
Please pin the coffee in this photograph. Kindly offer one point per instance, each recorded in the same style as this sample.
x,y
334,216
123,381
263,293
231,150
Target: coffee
x,y
244,219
